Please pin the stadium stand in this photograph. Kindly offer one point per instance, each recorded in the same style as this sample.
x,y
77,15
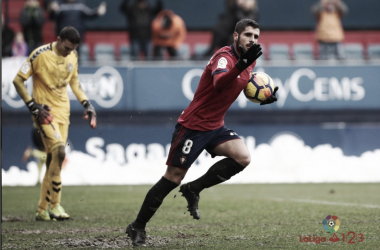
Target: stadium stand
x,y
364,32
184,51
84,53
279,51
200,49
303,51
124,52
104,52
353,51
374,51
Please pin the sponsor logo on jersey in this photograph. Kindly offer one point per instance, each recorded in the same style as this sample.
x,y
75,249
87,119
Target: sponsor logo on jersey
x,y
222,63
25,67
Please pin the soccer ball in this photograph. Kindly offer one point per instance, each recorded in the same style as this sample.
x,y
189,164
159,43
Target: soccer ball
x,y
260,86
331,223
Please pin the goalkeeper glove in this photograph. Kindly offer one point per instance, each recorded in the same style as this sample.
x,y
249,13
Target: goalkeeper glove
x,y
40,112
89,112
248,57
272,98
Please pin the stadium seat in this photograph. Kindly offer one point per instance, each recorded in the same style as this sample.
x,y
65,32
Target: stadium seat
x,y
104,52
373,51
303,51
184,51
261,59
200,49
278,51
125,52
84,55
353,51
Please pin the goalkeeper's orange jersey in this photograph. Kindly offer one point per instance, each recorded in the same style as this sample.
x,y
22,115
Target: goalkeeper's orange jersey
x,y
51,74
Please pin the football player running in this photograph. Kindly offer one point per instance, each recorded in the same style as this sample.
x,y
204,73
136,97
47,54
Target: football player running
x,y
201,126
53,66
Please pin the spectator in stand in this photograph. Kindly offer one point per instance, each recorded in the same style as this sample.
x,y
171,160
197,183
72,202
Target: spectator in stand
x,y
46,4
168,32
32,20
329,32
19,46
140,16
73,13
7,36
247,9
224,28
235,10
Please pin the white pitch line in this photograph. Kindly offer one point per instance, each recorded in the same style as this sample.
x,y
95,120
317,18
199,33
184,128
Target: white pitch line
x,y
328,203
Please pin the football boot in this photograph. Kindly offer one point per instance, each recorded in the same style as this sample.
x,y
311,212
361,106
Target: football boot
x,y
43,216
58,213
137,236
192,201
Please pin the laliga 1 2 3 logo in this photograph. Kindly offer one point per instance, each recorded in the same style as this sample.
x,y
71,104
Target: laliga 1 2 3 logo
x,y
331,224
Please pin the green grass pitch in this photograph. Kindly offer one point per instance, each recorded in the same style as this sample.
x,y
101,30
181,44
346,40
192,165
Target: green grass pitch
x,y
252,216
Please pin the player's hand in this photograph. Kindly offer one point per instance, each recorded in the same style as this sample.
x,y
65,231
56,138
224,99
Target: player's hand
x,y
272,98
249,56
89,112
40,112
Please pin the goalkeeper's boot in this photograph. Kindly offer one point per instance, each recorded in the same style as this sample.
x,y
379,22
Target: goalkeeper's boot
x,y
43,216
58,213
137,236
192,201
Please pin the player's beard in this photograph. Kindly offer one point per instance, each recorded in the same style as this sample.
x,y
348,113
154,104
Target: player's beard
x,y
238,44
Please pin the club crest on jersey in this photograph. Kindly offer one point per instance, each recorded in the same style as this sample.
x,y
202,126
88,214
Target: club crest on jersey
x,y
222,63
56,135
69,67
182,159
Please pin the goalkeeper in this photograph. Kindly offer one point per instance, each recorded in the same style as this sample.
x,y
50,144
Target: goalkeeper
x,y
53,66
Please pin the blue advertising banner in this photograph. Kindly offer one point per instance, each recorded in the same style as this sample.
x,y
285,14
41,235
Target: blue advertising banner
x,y
107,87
162,87
333,87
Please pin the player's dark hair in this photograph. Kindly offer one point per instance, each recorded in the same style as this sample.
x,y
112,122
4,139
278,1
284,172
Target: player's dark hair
x,y
240,26
71,34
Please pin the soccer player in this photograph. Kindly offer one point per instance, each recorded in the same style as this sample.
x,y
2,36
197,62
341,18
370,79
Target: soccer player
x,y
37,151
201,126
53,66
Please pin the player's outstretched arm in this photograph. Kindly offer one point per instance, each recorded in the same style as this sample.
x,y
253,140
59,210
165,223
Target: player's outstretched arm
x,y
248,57
89,113
272,98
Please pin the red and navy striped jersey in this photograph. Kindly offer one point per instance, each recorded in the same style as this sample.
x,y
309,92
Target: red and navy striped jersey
x,y
219,86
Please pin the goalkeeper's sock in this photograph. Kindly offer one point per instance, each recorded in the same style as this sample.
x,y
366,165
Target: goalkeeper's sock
x,y
220,172
153,201
44,201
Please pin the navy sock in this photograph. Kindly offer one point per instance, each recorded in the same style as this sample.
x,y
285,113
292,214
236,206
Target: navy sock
x,y
153,201
220,172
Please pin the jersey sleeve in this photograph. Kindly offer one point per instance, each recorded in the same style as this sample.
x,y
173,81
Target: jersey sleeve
x,y
23,74
75,86
223,71
26,69
221,63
